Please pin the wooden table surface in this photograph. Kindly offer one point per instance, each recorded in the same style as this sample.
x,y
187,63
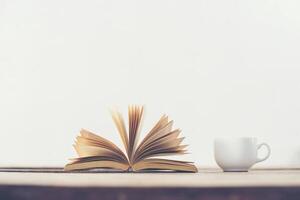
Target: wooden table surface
x,y
204,178
212,183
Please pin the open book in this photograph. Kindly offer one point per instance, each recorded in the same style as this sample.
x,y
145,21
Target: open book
x,y
97,152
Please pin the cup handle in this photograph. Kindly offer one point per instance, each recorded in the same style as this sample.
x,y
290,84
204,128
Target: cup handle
x,y
268,154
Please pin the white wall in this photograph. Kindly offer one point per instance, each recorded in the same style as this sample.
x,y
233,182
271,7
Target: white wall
x,y
218,68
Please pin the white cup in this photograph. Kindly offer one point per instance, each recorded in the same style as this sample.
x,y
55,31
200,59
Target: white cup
x,y
238,154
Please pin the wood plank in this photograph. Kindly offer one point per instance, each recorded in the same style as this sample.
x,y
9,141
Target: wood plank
x,y
206,178
213,184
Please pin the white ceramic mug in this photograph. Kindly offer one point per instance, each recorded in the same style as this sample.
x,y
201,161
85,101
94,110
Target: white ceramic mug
x,y
238,154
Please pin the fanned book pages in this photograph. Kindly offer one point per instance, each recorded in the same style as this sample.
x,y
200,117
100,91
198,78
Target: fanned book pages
x,y
95,151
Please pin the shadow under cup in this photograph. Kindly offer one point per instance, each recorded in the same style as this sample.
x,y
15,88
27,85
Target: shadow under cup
x,y
237,154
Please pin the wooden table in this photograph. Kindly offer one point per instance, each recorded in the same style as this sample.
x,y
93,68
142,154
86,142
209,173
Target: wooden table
x,y
213,184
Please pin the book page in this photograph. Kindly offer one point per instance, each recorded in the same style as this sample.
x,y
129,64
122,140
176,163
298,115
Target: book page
x,y
118,119
96,152
87,138
91,139
79,165
135,114
162,141
164,164
162,131
163,121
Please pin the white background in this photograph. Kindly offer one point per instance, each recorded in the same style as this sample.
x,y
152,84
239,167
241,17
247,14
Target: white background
x,y
218,68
